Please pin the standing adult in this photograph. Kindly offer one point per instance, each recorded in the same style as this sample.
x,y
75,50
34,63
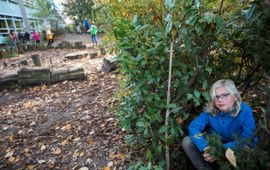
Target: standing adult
x,y
225,115
94,33
86,25
49,36
13,38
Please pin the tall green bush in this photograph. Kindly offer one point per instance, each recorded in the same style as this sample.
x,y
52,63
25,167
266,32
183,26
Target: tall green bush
x,y
206,35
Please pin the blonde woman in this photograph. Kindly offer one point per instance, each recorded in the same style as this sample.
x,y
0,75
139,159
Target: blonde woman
x,y
227,116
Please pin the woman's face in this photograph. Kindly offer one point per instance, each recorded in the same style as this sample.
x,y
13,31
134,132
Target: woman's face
x,y
223,100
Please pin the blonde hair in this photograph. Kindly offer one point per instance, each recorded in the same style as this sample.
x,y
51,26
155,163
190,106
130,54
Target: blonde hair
x,y
231,88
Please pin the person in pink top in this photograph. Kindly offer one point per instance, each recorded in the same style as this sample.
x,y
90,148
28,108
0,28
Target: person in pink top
x,y
36,36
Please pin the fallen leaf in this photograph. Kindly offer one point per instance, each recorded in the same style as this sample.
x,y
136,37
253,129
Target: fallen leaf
x,y
106,168
57,151
66,128
179,120
76,139
110,164
43,147
84,168
11,159
11,138
10,153
65,142
30,167
41,161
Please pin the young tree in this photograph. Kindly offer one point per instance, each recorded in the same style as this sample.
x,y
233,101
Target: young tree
x,y
79,9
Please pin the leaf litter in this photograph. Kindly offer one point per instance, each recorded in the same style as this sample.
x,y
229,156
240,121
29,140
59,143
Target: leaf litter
x,y
67,125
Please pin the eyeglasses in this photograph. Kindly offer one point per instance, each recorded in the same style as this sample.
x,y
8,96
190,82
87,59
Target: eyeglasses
x,y
222,96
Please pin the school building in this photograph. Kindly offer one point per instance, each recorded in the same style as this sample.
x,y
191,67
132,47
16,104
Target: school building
x,y
11,17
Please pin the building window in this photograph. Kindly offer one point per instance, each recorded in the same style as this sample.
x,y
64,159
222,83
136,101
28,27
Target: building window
x,y
10,24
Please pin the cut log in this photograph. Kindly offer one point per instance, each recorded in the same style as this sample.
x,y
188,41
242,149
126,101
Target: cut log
x,y
3,53
93,54
108,65
8,77
36,75
60,74
76,55
102,51
20,49
36,60
19,63
78,45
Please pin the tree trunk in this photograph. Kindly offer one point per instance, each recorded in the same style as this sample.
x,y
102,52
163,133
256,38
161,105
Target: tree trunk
x,y
36,60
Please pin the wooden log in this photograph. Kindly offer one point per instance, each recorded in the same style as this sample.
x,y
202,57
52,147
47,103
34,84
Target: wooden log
x,y
36,75
108,65
19,63
76,55
36,60
72,73
8,77
93,54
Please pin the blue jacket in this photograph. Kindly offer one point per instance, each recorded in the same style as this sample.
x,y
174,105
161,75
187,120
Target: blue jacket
x,y
225,125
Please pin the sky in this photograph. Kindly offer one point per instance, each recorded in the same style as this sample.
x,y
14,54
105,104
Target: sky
x,y
58,3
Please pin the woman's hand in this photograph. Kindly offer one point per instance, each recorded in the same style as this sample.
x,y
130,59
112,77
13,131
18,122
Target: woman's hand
x,y
207,156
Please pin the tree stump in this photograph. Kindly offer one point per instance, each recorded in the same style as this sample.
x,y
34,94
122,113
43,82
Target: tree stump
x,y
78,45
3,53
93,54
20,49
72,73
36,60
108,66
36,75
76,55
102,51
60,45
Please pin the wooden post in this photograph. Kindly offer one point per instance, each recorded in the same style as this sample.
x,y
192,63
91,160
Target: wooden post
x,y
102,51
93,54
36,60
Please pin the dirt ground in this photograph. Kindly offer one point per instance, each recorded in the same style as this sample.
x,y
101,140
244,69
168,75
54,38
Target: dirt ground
x,y
68,125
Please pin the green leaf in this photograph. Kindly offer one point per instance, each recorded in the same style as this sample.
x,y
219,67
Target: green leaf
x,y
250,12
189,96
209,17
197,93
171,106
140,124
149,155
204,85
145,26
219,22
206,96
163,129
135,21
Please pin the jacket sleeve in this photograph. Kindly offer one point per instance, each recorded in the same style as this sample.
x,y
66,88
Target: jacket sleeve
x,y
195,130
248,129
